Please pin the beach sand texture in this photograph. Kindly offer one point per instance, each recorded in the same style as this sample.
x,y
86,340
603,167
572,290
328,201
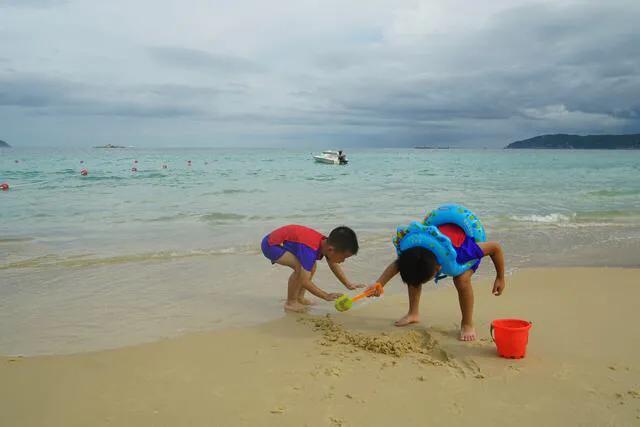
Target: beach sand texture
x,y
356,369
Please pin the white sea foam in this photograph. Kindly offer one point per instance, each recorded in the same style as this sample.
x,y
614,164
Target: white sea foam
x,y
553,218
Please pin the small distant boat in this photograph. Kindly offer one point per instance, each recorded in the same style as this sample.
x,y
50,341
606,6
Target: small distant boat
x,y
111,146
332,157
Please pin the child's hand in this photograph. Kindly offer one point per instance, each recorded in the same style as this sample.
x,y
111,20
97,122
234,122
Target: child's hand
x,y
498,286
376,292
333,296
352,286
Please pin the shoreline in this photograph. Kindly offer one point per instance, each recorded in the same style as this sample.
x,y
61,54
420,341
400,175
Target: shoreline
x,y
356,368
142,302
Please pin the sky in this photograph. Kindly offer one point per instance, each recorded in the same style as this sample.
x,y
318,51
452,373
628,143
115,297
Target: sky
x,y
320,74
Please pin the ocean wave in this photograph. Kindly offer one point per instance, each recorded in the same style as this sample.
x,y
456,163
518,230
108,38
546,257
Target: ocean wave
x,y
229,191
148,175
20,174
221,217
66,172
617,215
582,219
83,261
15,239
553,218
614,193
163,218
262,217
321,178
92,178
235,191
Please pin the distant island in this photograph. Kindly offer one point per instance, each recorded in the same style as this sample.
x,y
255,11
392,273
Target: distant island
x,y
110,146
577,142
4,144
426,147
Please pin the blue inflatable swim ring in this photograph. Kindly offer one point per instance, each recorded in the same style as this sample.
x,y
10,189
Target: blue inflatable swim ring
x,y
428,236
460,216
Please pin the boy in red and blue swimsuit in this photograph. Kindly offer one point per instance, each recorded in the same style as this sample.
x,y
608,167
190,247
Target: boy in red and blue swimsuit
x,y
299,247
419,265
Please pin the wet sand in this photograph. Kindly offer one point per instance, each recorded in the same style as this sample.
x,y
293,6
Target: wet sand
x,y
357,369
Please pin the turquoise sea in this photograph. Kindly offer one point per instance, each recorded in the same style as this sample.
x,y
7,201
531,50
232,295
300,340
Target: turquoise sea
x,y
118,257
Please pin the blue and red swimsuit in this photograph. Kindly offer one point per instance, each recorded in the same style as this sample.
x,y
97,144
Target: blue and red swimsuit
x,y
303,242
466,246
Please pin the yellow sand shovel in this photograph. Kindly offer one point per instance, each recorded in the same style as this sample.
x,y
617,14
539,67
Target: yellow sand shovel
x,y
344,303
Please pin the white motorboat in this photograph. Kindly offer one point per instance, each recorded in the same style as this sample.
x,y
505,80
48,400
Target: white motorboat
x,y
332,157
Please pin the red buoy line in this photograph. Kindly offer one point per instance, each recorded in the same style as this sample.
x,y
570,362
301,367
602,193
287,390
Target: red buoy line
x,y
4,186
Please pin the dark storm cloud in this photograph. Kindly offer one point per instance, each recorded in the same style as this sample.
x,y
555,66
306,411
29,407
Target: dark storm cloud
x,y
49,96
523,64
33,92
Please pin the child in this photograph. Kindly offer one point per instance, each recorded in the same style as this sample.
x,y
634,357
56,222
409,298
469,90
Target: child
x,y
299,248
450,240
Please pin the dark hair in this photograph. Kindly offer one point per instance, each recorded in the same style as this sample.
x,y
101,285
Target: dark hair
x,y
417,266
343,239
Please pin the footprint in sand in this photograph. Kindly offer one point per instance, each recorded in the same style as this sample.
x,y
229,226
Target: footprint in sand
x,y
514,370
336,372
456,408
337,422
563,373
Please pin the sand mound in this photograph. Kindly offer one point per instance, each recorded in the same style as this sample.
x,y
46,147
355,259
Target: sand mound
x,y
396,344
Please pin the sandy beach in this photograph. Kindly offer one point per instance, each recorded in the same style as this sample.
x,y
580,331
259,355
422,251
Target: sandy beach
x,y
356,369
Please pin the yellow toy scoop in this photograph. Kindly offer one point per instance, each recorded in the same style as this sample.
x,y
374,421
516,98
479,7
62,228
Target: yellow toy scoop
x,y
344,303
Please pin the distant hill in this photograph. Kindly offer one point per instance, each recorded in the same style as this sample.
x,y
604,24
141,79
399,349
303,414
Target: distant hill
x,y
4,144
588,142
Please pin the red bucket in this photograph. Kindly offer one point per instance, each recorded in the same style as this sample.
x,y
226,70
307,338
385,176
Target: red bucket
x,y
511,337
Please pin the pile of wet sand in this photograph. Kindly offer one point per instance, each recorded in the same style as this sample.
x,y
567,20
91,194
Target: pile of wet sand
x,y
415,342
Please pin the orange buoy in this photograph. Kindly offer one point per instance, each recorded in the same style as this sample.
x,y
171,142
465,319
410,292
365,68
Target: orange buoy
x,y
84,172
4,186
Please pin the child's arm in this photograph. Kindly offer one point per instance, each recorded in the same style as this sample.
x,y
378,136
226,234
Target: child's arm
x,y
387,274
337,271
305,276
494,250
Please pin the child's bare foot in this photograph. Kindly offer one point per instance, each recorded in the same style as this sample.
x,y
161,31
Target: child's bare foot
x,y
467,333
294,307
407,320
305,301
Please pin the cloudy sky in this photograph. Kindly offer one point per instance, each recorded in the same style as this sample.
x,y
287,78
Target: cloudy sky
x,y
310,73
